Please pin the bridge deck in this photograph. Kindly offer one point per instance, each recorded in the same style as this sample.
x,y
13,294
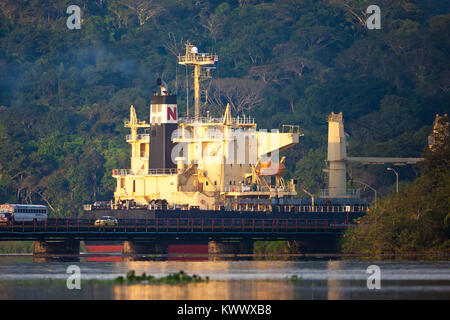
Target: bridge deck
x,y
172,228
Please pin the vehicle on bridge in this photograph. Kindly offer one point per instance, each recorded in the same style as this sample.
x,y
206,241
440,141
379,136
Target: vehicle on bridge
x,y
22,213
106,221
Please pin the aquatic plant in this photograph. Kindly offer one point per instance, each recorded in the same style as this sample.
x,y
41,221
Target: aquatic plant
x,y
296,278
175,278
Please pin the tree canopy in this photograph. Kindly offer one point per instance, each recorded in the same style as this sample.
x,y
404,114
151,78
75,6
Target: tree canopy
x,y
416,220
65,93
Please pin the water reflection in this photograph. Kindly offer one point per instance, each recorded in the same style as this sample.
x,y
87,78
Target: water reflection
x,y
53,258
231,278
216,270
333,283
213,290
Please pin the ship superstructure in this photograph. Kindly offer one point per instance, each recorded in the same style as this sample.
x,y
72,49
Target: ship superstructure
x,y
200,161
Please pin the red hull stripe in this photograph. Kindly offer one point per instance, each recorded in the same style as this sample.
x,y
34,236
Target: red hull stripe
x,y
181,248
105,248
105,259
196,249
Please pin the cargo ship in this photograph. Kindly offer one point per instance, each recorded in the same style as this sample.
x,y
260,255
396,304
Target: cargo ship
x,y
200,165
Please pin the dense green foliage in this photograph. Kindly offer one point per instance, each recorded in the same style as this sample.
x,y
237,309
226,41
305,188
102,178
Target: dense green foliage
x,y
416,220
65,93
16,247
271,248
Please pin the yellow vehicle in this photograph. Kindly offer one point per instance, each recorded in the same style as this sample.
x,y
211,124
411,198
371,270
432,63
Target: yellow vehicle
x,y
106,221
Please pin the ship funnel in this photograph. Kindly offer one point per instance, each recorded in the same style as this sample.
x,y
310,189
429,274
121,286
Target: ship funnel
x,y
164,121
163,86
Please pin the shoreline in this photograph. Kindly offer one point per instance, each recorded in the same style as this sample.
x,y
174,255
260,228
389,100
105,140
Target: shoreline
x,y
283,256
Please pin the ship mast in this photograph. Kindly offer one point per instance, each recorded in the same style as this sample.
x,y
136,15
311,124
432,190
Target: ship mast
x,y
197,60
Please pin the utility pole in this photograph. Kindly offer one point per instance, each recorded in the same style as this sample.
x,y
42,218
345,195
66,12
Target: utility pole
x,y
396,174
373,189
312,198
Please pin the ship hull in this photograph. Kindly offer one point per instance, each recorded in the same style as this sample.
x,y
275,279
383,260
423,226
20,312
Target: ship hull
x,y
339,216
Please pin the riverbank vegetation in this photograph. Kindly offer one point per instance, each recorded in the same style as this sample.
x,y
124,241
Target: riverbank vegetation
x,y
274,248
414,221
16,247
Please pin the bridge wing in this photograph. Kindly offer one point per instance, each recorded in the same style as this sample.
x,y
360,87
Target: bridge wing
x,y
381,160
271,141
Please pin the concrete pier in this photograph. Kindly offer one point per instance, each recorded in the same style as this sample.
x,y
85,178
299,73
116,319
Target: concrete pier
x,y
145,247
239,247
49,247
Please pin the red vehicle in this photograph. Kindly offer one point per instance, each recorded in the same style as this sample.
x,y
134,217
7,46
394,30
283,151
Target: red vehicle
x,y
6,214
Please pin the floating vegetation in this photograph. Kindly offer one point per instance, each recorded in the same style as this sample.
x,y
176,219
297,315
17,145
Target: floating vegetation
x,y
296,278
177,278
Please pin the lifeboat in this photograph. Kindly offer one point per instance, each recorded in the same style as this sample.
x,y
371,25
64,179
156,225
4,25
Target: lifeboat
x,y
276,169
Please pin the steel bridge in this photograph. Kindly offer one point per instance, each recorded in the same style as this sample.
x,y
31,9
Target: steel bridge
x,y
224,233
172,229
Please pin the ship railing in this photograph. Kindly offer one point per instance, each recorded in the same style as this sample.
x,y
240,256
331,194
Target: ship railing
x,y
237,120
148,172
121,172
198,137
212,135
139,137
128,123
257,188
290,128
300,207
206,58
161,171
243,120
201,120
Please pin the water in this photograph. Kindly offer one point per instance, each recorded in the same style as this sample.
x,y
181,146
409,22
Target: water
x,y
231,278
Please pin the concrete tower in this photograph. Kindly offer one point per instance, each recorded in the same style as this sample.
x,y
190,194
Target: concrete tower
x,y
337,154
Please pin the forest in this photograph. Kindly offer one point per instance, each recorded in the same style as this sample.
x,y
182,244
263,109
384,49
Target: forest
x,y
64,93
416,220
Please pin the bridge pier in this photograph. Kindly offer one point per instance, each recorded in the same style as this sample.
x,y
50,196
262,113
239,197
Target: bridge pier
x,y
222,247
69,247
145,247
